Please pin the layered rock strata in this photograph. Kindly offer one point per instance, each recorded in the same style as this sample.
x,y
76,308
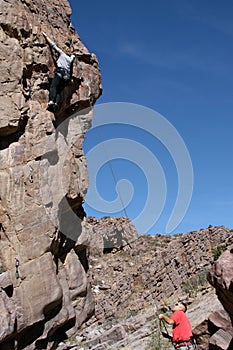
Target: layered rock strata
x,y
43,177
131,282
159,267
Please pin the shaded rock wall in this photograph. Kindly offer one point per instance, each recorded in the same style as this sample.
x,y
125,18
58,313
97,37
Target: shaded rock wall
x,y
43,175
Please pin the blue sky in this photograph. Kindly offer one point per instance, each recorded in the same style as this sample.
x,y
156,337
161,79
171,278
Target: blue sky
x,y
176,58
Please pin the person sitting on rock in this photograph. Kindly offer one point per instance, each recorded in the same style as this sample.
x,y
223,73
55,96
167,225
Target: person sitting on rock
x,y
182,330
63,73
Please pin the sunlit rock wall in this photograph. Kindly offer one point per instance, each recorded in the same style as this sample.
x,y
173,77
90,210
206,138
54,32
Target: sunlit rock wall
x,y
43,175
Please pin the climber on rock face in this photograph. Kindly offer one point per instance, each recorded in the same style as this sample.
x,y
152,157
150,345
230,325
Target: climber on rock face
x,y
182,330
63,73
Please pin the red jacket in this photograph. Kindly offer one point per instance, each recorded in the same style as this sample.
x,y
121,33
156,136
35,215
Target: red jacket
x,y
182,329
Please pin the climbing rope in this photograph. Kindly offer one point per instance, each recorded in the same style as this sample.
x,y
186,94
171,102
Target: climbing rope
x,y
115,182
158,322
158,328
111,169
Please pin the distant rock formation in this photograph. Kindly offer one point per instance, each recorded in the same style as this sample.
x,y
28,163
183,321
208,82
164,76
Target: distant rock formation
x,y
111,233
160,266
127,282
43,174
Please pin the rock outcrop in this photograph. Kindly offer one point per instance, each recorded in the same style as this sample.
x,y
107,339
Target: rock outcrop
x,y
221,277
43,177
111,234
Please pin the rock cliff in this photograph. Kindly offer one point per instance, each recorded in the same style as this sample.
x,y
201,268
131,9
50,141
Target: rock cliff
x,y
44,289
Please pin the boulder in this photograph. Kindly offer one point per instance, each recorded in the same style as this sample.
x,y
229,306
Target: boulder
x,y
221,277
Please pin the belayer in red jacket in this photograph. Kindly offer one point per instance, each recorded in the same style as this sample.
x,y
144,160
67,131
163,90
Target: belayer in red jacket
x,y
182,330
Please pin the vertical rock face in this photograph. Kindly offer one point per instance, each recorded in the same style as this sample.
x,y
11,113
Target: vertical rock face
x,y
43,177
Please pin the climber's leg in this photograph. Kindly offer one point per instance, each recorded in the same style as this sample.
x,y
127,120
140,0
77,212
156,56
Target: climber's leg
x,y
60,88
57,85
54,88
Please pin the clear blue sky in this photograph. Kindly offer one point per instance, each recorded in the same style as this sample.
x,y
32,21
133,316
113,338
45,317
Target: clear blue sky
x,y
174,57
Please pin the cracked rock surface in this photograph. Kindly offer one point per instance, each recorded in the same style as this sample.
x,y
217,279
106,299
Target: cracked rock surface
x,y
43,177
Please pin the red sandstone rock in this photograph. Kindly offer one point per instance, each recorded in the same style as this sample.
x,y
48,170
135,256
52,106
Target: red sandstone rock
x,y
221,277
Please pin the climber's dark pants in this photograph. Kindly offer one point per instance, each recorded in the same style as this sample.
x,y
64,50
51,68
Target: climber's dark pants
x,y
57,85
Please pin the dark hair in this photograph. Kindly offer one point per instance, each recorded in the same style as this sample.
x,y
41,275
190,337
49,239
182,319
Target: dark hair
x,y
185,305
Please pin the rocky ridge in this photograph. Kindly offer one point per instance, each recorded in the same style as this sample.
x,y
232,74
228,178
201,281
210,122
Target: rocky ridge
x,y
152,272
158,266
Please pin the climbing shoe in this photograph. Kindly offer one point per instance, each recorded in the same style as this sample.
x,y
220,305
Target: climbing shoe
x,y
51,106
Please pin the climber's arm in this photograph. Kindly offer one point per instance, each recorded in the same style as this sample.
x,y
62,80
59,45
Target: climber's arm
x,y
52,44
47,38
166,319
